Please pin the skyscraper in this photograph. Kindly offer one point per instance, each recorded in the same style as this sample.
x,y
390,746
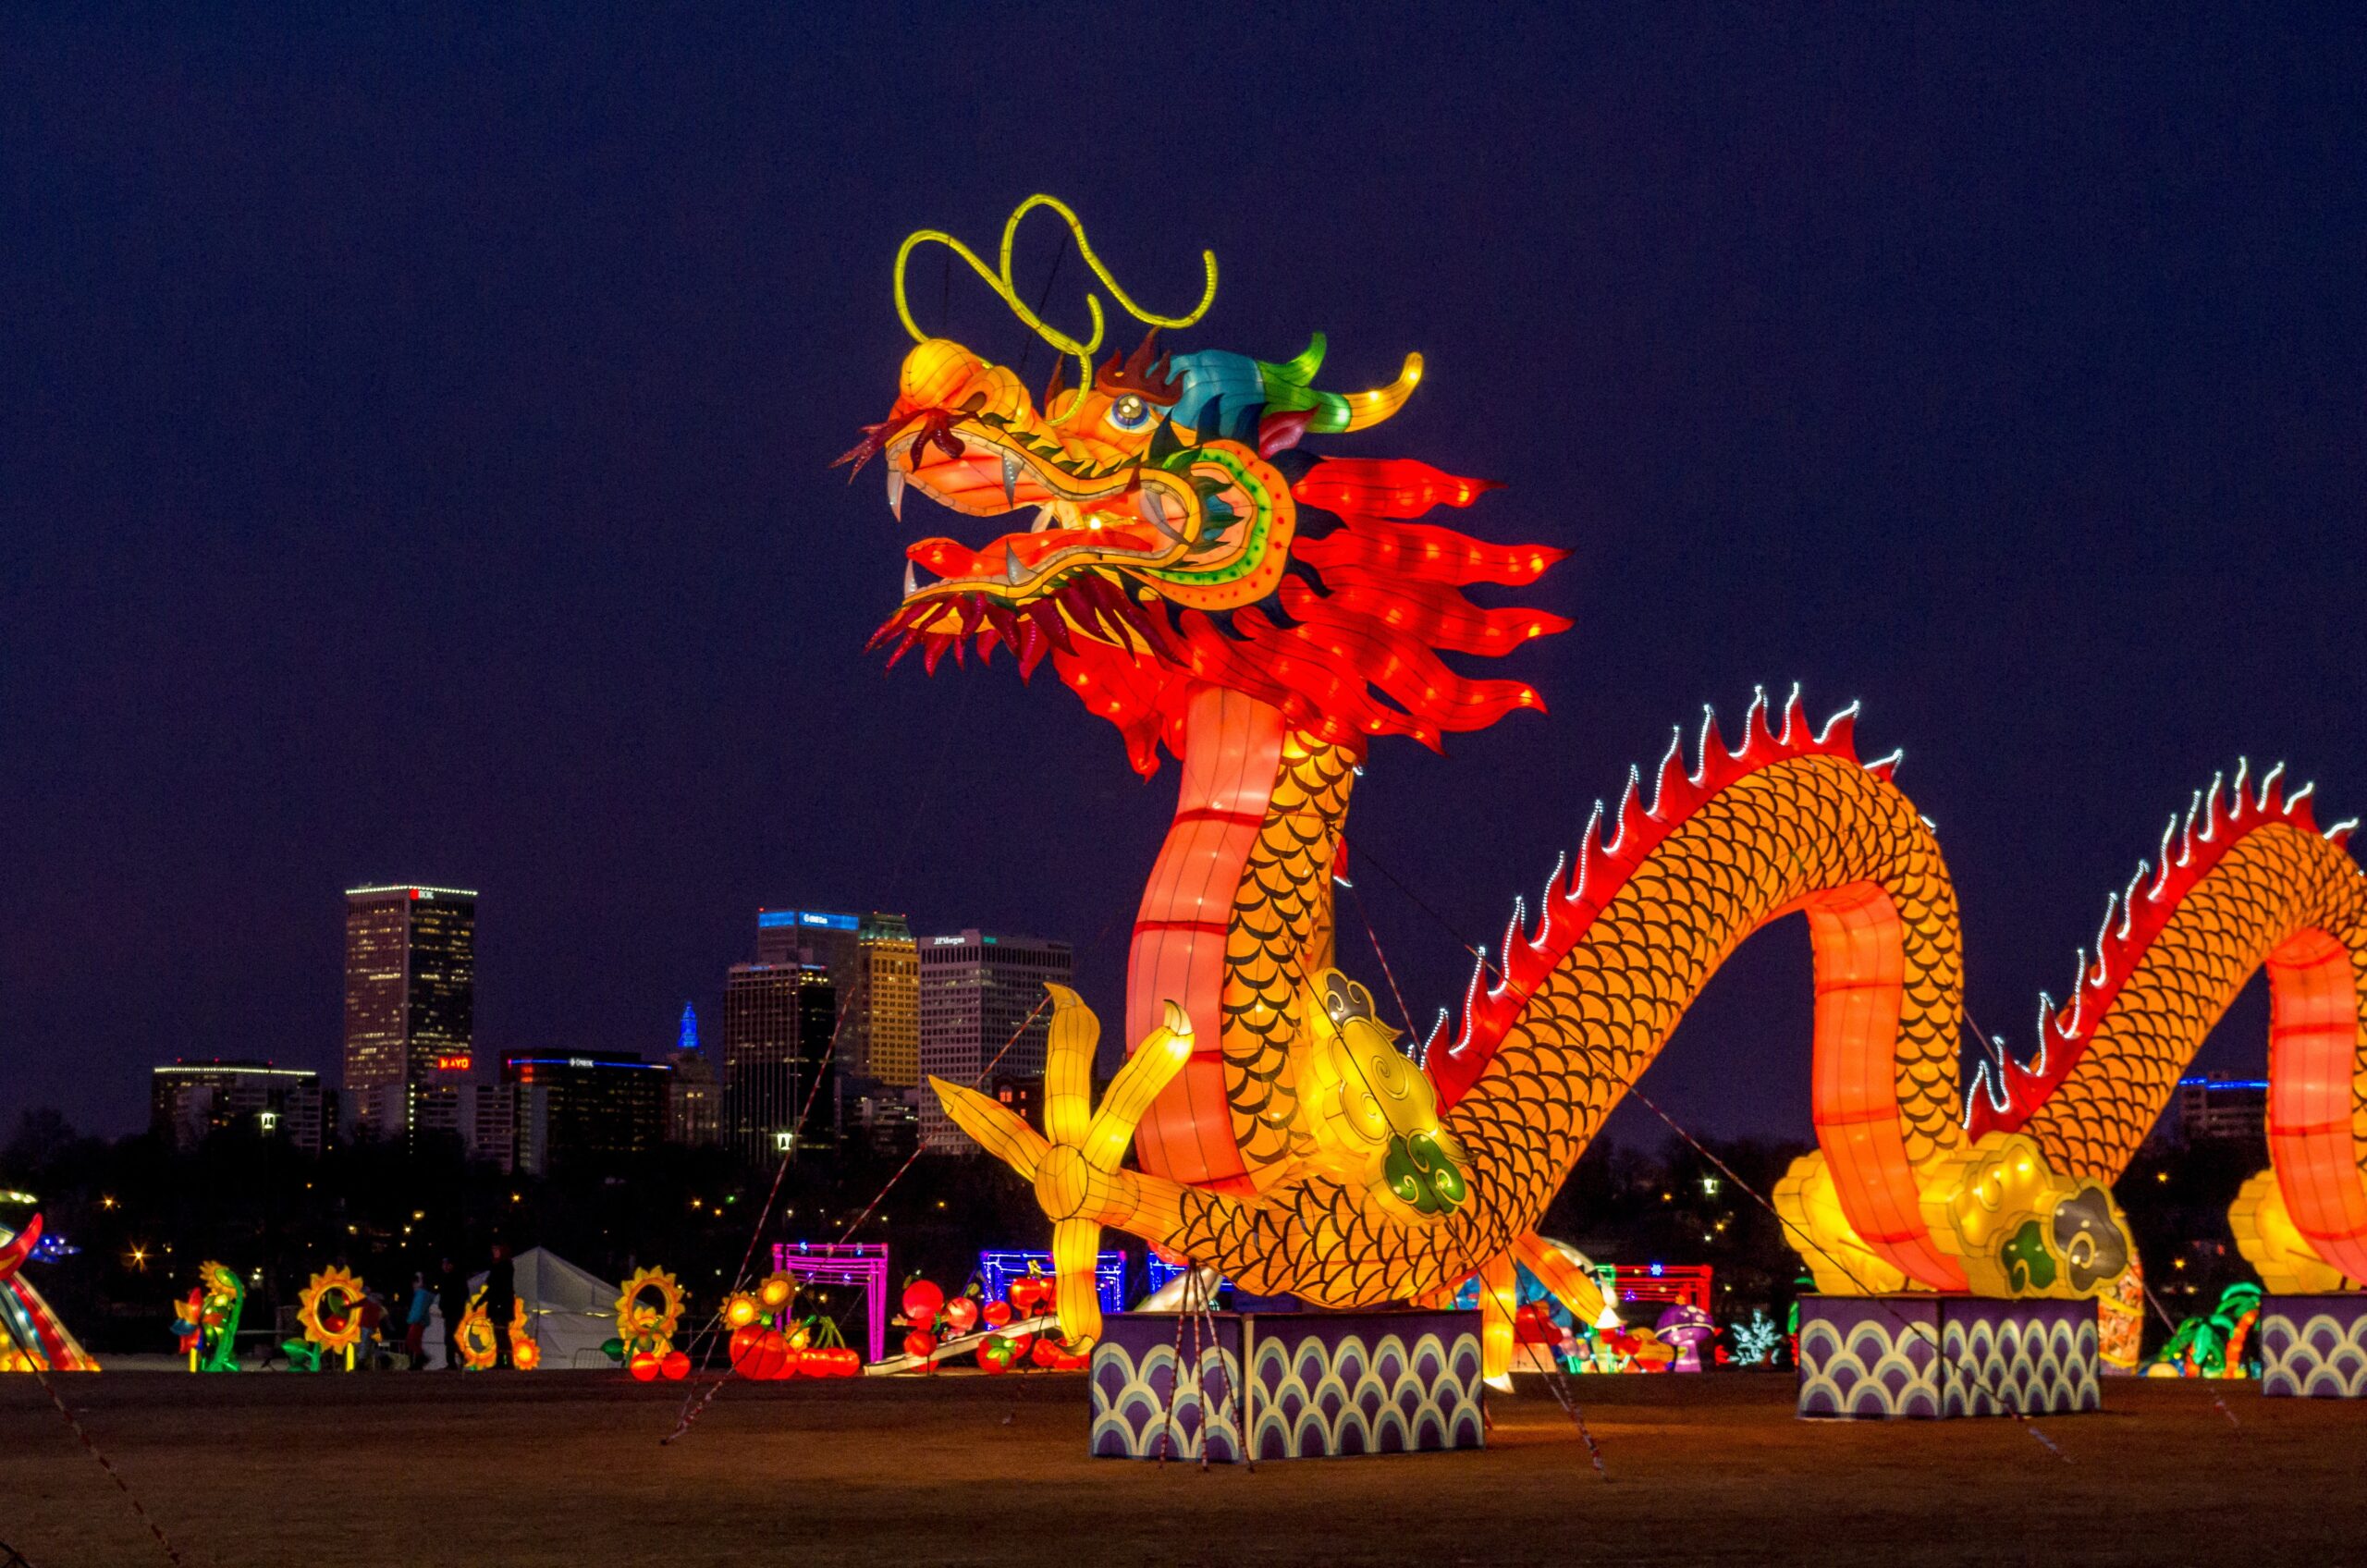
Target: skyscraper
x,y
892,1001
976,992
410,1005
694,1100
777,1019
876,969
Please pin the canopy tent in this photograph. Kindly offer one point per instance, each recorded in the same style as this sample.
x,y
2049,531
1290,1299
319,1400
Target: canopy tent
x,y
573,1313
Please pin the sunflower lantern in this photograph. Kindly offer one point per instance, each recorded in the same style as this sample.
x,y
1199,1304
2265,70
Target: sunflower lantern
x,y
479,1345
649,1309
328,1310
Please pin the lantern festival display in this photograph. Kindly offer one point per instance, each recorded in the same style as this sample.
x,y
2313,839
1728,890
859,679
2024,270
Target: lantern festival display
x,y
31,1338
649,1308
2214,1344
770,1342
328,1317
207,1319
1169,541
480,1347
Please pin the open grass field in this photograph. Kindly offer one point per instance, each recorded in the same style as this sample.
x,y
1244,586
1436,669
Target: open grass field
x,y
265,1470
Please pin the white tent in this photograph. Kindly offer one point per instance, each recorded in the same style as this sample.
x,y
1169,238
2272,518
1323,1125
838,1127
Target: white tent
x,y
573,1313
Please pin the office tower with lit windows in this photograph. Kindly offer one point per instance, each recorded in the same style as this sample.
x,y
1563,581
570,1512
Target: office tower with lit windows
x,y
410,1007
875,969
979,996
598,1108
777,1019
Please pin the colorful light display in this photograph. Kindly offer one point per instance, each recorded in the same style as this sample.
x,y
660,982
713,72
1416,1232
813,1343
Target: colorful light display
x,y
207,1321
861,1264
31,1338
328,1314
771,1341
1010,1276
481,1348
1262,614
649,1308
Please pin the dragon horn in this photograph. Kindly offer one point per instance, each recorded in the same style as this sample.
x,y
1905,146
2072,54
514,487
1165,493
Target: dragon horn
x,y
1287,391
1369,408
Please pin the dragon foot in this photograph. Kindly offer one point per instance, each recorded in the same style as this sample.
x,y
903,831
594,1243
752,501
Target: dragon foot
x,y
2014,1224
2274,1245
1073,1162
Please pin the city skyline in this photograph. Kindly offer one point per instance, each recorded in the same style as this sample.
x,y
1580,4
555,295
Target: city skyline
x,y
285,1055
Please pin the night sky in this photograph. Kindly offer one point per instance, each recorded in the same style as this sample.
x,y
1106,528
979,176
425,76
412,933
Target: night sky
x,y
415,441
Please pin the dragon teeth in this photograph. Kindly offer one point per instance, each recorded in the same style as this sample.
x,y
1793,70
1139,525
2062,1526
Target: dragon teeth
x,y
895,491
1045,517
1010,479
911,583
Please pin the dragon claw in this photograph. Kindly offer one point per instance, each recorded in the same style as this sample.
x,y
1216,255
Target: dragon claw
x,y
1074,1163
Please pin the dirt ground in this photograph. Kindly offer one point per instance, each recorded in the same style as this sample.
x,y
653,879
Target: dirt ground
x,y
566,1467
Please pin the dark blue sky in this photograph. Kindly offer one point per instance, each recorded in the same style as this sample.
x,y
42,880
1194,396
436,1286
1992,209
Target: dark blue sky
x,y
413,440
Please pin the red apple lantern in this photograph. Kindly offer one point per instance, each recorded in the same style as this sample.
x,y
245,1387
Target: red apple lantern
x,y
644,1367
919,1342
676,1366
997,1313
962,1314
922,1303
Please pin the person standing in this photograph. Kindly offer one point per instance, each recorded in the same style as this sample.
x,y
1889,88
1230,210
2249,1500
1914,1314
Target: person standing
x,y
415,1322
374,1316
501,1301
452,1298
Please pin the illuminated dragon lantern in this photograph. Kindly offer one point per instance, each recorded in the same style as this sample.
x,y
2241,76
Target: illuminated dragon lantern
x,y
1201,579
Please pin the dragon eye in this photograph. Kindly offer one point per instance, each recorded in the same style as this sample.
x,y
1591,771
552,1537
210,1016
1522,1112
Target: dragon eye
x,y
1129,413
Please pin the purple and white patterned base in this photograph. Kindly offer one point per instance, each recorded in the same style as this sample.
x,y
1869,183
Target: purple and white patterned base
x,y
2313,1347
1936,1357
1321,1384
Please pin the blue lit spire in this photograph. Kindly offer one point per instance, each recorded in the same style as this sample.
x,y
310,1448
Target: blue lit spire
x,y
690,1041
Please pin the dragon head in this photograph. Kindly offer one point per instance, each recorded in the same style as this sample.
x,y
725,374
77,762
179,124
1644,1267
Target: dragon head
x,y
1174,533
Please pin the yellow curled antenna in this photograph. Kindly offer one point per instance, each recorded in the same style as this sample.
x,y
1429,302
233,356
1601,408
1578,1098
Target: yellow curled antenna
x,y
1000,280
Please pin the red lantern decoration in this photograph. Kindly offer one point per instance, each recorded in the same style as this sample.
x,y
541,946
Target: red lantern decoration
x,y
962,1314
675,1365
919,1342
997,1313
644,1367
922,1303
